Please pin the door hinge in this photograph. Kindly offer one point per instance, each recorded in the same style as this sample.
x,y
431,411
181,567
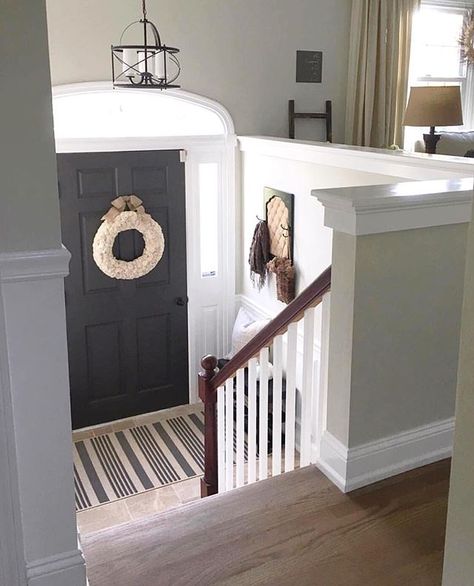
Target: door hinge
x,y
183,155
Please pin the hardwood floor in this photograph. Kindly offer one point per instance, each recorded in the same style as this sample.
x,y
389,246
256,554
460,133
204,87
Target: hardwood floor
x,y
296,529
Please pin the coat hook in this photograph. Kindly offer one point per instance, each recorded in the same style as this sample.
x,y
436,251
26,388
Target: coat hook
x,y
259,219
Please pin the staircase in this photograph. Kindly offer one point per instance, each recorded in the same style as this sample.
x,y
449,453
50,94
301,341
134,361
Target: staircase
x,y
297,528
238,402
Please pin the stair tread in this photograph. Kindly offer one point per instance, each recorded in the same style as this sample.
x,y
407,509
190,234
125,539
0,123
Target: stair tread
x,y
283,531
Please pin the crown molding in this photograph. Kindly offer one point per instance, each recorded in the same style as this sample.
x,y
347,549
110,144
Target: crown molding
x,y
401,206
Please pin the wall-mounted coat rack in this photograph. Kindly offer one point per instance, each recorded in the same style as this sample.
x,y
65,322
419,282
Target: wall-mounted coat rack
x,y
327,116
279,214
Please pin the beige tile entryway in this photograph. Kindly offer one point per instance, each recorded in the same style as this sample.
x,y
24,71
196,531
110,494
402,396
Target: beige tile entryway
x,y
140,505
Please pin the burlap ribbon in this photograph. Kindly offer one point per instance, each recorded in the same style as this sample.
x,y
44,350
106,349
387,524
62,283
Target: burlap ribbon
x,y
119,205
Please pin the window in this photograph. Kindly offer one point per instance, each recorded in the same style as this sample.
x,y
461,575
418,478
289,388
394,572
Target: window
x,y
209,202
436,56
130,113
436,51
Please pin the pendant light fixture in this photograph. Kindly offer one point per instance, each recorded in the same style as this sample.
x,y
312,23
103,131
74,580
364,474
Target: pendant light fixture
x,y
150,65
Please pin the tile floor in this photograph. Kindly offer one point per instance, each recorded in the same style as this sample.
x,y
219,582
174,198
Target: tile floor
x,y
140,505
147,503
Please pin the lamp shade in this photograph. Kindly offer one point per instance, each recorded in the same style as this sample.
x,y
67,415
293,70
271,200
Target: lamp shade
x,y
434,106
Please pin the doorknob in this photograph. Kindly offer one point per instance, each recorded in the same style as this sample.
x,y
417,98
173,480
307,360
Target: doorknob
x,y
181,301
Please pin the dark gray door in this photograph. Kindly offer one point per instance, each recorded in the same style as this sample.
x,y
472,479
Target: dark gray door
x,y
128,340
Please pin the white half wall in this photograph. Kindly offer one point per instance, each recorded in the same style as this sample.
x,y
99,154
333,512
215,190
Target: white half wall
x,y
393,352
299,168
395,327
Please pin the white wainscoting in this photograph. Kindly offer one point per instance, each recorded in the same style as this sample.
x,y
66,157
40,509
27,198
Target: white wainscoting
x,y
368,463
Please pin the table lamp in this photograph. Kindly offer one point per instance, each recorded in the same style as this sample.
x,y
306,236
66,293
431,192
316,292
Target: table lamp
x,y
433,106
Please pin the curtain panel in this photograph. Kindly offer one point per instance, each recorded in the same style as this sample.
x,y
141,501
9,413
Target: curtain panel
x,y
379,61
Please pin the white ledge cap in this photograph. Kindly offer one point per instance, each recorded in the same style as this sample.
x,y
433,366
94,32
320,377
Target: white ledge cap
x,y
401,206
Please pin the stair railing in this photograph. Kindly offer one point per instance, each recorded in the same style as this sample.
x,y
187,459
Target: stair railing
x,y
237,399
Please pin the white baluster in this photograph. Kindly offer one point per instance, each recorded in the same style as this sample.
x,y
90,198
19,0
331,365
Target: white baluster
x,y
229,434
307,388
290,418
252,422
240,459
263,416
221,465
277,404
321,398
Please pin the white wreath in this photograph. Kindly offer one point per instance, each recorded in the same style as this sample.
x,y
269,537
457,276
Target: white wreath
x,y
108,232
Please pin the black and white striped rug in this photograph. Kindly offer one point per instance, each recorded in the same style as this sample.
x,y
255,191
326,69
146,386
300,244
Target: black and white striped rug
x,y
119,464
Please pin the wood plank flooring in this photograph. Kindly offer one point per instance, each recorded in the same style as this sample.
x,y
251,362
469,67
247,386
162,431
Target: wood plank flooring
x,y
296,529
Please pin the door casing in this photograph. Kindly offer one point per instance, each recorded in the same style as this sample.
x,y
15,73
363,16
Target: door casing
x,y
212,299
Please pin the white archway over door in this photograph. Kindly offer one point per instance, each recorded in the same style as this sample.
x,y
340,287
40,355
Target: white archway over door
x,y
93,117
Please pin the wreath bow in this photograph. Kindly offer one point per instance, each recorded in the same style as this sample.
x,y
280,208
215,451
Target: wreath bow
x,y
119,205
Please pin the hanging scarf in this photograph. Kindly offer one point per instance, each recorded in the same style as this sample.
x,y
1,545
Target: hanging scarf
x,y
259,254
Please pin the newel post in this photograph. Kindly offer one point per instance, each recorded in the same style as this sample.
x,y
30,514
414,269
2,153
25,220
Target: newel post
x,y
209,397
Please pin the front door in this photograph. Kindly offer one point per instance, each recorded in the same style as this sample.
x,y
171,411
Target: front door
x,y
128,340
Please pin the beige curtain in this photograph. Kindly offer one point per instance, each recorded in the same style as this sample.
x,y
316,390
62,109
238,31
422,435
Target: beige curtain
x,y
379,60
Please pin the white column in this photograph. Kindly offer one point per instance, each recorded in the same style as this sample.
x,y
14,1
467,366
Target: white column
x,y
396,295
37,519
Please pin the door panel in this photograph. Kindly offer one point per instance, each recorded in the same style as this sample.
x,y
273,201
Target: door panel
x,y
128,340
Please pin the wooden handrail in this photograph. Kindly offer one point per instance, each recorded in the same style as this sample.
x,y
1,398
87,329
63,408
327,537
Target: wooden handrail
x,y
210,380
310,297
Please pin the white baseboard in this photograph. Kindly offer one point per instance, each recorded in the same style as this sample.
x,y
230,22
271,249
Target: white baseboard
x,y
66,568
368,463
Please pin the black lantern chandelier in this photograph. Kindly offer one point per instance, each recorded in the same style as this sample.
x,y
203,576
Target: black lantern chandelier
x,y
149,65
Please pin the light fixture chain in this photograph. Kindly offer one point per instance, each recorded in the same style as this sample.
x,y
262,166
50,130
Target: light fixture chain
x,y
144,9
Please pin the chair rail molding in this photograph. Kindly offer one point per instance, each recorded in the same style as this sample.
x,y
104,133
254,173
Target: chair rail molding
x,y
33,265
39,536
402,206
352,468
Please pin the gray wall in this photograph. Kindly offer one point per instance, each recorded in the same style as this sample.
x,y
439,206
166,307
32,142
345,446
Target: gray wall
x,y
399,341
459,559
242,53
38,531
29,215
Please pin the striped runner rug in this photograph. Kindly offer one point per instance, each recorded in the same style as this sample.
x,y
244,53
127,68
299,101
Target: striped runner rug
x,y
120,464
